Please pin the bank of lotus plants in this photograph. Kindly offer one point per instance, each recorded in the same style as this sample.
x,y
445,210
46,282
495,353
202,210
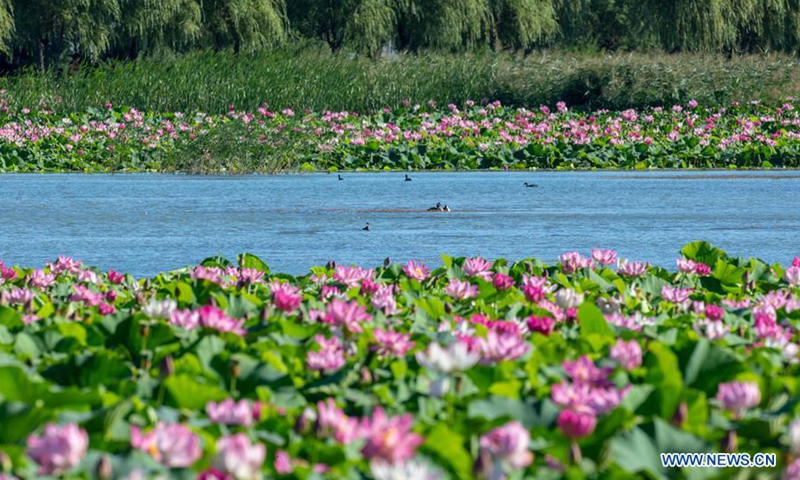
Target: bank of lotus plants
x,y
481,369
483,135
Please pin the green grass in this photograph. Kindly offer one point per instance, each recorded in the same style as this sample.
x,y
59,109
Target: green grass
x,y
315,79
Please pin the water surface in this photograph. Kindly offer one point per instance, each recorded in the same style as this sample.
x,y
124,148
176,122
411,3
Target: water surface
x,y
144,224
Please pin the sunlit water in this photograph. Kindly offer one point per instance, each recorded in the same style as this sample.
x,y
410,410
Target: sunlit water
x,y
144,224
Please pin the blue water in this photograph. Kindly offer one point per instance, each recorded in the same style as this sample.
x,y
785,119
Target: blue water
x,y
144,224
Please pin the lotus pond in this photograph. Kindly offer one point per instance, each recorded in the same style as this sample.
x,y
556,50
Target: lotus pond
x,y
469,136
584,368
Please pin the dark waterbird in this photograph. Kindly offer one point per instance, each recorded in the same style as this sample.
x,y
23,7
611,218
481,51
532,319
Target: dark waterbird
x,y
366,227
408,179
437,208
530,185
340,177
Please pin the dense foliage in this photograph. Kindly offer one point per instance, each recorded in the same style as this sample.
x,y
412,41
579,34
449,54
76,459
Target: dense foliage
x,y
300,78
472,136
55,33
473,369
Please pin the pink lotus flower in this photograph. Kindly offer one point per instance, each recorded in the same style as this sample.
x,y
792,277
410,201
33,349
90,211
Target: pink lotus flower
x,y
59,448
509,445
501,347
41,280
702,269
383,300
574,261
283,463
250,276
792,471
88,276
228,412
417,270
633,269
627,354
675,295
604,257
792,276
330,356
174,445
456,357
346,315
575,425
332,419
7,274
65,265
543,325
352,276
392,343
714,312
212,274
185,319
21,296
739,396
478,267
686,265
286,297
534,293
214,318
502,282
459,290
389,439
106,309
796,262
115,278
584,370
239,458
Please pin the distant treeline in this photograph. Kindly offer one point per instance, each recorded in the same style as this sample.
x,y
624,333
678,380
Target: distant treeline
x,y
59,33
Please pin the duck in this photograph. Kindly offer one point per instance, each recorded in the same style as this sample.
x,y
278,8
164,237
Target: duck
x,y
530,185
408,179
340,177
437,208
445,208
366,227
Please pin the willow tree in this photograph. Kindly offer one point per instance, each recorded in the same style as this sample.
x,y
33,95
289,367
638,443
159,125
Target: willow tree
x,y
148,25
522,23
56,28
244,24
6,25
364,25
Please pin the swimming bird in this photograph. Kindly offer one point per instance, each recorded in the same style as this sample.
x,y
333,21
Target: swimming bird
x,y
340,177
366,227
437,208
529,185
446,208
408,179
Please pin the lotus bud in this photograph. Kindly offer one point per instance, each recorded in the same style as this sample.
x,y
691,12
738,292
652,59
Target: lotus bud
x,y
236,370
730,442
147,360
366,375
553,463
483,465
5,462
681,414
305,421
166,367
104,469
575,455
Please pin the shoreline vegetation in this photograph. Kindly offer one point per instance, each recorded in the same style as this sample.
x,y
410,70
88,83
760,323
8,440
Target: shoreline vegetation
x,y
584,368
474,135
